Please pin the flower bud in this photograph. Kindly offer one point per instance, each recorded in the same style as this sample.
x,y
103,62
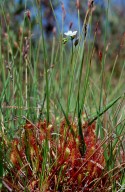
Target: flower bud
x,y
67,153
79,178
77,4
49,127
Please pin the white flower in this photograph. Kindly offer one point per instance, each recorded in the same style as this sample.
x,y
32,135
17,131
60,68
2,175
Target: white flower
x,y
71,34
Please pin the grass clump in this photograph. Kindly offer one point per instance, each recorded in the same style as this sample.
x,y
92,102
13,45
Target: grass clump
x,y
62,119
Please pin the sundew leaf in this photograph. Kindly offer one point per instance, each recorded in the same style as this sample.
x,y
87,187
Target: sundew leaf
x,y
104,110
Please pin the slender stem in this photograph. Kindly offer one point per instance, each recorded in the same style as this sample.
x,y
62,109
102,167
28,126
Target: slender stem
x,y
26,83
45,61
71,79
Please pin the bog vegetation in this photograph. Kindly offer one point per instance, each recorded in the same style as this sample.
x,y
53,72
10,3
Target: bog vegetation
x,y
62,98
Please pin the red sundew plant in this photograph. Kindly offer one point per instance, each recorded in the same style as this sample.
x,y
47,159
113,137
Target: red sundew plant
x,y
65,169
42,159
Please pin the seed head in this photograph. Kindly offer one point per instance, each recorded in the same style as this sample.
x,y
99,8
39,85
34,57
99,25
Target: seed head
x,y
77,4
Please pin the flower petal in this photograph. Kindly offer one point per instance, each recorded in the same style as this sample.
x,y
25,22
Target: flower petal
x,y
71,33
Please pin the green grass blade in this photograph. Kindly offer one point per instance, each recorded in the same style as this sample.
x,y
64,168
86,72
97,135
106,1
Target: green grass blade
x,y
82,146
66,118
104,110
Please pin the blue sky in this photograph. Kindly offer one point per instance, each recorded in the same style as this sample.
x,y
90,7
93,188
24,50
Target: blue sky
x,y
71,16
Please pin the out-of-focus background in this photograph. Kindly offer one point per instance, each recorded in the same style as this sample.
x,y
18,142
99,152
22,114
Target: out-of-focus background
x,y
60,15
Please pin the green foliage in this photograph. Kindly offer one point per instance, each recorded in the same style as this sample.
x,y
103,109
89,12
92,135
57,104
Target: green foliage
x,y
49,76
